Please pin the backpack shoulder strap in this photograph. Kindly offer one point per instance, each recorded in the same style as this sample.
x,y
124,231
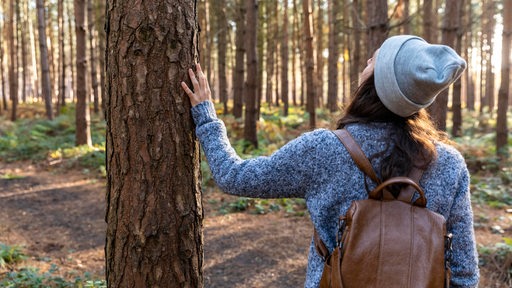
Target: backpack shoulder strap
x,y
356,153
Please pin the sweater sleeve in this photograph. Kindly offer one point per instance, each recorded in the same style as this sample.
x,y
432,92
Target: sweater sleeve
x,y
464,260
283,174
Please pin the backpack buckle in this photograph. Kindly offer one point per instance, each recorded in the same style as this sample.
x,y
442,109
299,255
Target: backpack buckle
x,y
448,249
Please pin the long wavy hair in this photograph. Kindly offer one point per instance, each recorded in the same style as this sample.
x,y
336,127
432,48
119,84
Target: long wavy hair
x,y
414,138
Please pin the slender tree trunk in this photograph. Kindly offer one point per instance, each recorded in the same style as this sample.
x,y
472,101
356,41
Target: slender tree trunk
x,y
405,17
378,26
222,27
276,52
284,59
469,75
23,44
101,48
154,211
238,75
439,108
83,130
504,91
319,79
332,75
72,54
211,31
33,59
2,78
294,54
13,79
251,87
489,74
260,46
270,52
457,86
50,47
310,65
92,57
428,21
355,47
61,102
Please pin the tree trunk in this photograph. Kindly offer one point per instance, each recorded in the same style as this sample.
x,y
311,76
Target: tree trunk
x,y
83,131
238,77
428,21
405,17
23,38
222,29
51,57
457,86
332,65
101,48
284,59
13,78
260,50
504,91
489,74
378,26
276,52
154,212
319,78
270,51
72,56
439,108
469,75
61,99
92,57
251,87
33,59
3,105
294,54
310,65
355,48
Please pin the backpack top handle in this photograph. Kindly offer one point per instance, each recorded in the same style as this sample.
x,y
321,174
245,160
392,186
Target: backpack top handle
x,y
377,192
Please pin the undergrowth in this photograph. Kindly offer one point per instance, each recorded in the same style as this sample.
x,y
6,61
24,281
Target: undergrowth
x,y
20,277
52,141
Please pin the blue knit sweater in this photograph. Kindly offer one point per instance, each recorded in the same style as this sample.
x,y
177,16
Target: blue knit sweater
x,y
316,167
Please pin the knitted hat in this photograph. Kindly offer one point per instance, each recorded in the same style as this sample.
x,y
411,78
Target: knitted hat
x,y
409,73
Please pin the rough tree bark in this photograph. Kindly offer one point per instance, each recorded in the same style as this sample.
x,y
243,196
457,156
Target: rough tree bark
x,y
154,211
83,130
251,86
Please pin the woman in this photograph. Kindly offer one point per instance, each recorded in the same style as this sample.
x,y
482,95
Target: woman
x,y
387,118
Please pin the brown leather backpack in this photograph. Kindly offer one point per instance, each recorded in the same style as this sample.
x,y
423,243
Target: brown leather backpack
x,y
385,241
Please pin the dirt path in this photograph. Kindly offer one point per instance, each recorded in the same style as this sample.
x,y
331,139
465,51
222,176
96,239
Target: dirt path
x,y
58,219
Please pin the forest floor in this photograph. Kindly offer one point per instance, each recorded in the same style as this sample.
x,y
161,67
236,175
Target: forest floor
x,y
58,218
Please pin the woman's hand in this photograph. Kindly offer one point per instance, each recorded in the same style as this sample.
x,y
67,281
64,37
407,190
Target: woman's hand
x,y
201,87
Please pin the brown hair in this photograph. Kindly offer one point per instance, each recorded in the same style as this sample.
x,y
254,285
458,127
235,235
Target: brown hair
x,y
414,139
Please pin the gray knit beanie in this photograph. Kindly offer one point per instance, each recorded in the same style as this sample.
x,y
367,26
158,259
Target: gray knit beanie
x,y
409,73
